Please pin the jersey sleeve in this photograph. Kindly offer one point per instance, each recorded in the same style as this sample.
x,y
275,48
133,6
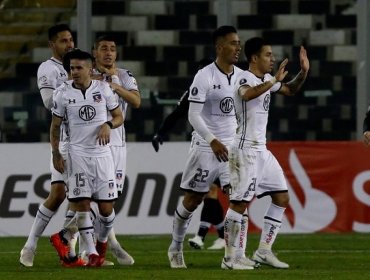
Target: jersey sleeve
x,y
127,80
58,108
199,88
109,96
47,76
276,87
180,112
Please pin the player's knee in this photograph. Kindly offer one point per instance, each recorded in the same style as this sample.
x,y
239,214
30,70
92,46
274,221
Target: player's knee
x,y
281,199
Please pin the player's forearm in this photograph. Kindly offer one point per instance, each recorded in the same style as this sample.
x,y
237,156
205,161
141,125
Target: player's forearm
x,y
296,84
171,120
132,97
54,137
198,123
47,97
249,93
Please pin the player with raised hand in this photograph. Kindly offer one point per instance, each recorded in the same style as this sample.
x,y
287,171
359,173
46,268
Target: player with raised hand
x,y
253,169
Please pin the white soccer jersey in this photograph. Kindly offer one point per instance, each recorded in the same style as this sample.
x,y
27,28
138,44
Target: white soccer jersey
x,y
252,115
86,112
127,81
51,75
214,88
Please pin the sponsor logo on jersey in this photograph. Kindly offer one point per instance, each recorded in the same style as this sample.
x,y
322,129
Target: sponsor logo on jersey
x,y
76,192
216,86
194,91
87,113
227,105
43,79
266,102
71,101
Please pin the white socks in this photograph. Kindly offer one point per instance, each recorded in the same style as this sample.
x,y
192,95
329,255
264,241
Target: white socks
x,y
40,222
271,227
232,229
181,222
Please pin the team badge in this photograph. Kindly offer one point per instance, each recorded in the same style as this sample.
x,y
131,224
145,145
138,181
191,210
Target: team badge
x,y
111,184
242,81
266,102
97,98
194,91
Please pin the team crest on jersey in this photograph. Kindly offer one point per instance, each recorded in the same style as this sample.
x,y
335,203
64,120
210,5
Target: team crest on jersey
x,y
87,113
97,97
227,105
266,102
242,81
55,105
111,184
194,91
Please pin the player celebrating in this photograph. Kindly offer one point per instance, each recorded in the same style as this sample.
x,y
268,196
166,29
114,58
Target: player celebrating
x,y
211,113
212,211
253,169
86,104
50,75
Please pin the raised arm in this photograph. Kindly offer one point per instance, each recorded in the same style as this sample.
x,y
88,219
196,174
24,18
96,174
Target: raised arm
x,y
293,86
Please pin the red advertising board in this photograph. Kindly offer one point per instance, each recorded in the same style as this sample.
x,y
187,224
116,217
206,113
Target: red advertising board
x,y
329,186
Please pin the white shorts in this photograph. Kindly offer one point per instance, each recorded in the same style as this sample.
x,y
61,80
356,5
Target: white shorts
x,y
202,169
254,173
119,154
91,177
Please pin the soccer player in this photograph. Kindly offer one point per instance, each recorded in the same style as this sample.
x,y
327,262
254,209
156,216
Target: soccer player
x,y
253,169
212,211
211,113
50,75
127,93
86,104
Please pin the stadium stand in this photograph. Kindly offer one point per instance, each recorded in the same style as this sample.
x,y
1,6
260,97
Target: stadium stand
x,y
162,43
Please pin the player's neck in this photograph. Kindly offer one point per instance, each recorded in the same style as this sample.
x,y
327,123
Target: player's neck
x,y
225,67
255,71
82,86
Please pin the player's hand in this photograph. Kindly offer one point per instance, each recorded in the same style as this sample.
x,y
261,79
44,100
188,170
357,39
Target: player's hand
x,y
58,161
157,139
303,59
104,134
281,73
220,150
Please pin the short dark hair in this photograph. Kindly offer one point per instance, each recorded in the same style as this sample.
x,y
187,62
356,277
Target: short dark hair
x,y
75,54
222,31
54,30
108,38
254,46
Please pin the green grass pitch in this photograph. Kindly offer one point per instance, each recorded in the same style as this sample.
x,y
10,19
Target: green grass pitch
x,y
311,256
